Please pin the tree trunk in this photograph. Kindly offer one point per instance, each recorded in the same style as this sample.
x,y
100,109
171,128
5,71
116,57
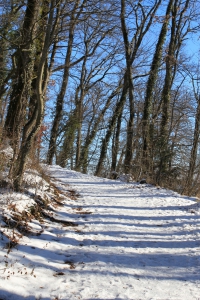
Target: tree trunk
x,y
33,125
147,114
79,108
69,137
111,125
142,28
176,39
92,133
115,145
61,95
129,143
23,74
188,189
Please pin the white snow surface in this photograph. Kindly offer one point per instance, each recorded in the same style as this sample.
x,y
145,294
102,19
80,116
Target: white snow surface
x,y
133,241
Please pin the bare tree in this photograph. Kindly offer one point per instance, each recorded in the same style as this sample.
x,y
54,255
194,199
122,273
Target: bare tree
x,y
33,124
74,18
143,18
180,26
147,114
189,187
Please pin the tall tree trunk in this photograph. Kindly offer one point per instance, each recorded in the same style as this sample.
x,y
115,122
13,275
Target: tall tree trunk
x,y
128,54
150,88
38,49
118,110
23,74
176,39
61,95
79,108
33,125
22,78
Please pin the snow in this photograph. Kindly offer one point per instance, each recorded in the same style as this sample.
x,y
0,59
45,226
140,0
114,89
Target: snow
x,y
126,241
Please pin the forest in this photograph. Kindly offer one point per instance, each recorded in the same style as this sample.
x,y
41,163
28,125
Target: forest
x,y
104,87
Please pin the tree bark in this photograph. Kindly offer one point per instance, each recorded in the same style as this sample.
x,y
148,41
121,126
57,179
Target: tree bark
x,y
149,91
23,74
33,125
128,54
176,39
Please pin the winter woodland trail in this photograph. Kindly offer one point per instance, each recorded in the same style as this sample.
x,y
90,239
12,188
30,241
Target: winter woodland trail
x,y
132,242
139,242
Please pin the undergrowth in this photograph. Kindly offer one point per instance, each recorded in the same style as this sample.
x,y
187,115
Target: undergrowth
x,y
42,196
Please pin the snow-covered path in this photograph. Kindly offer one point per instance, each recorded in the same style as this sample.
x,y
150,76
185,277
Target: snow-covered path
x,y
138,243
132,242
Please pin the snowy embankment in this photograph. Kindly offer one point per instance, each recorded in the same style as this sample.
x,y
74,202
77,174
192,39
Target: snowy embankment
x,y
109,240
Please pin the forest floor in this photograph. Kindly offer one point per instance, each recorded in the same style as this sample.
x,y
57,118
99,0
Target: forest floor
x,y
85,237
